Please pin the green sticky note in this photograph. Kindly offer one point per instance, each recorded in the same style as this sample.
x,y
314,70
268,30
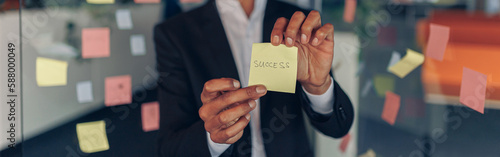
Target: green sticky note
x,y
410,61
51,72
274,66
92,136
383,83
101,1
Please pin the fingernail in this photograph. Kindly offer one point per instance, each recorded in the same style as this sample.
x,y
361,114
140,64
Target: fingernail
x,y
289,41
247,116
303,38
276,39
252,103
260,89
236,84
315,41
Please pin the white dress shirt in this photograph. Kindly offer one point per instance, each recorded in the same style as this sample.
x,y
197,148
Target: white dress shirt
x,y
241,32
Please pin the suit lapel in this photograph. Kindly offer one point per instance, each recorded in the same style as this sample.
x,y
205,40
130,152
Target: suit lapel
x,y
219,50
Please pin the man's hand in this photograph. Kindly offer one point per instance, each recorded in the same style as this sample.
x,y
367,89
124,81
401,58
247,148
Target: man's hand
x,y
315,44
226,108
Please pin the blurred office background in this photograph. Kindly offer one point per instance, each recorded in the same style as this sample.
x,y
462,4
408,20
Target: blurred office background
x,y
431,121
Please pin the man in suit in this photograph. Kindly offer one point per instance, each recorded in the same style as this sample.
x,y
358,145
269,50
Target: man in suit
x,y
206,105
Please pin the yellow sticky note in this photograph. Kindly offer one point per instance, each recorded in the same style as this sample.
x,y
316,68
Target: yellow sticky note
x,y
409,62
92,136
383,83
274,66
101,1
51,72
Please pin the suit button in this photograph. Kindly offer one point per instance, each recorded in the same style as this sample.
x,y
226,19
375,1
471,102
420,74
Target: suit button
x,y
342,113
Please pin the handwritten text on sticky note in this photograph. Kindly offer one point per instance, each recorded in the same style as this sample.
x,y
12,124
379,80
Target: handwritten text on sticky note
x,y
274,66
391,107
50,72
118,90
150,116
409,62
473,89
95,42
92,136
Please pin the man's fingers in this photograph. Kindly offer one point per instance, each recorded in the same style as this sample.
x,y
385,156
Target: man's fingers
x,y
278,30
313,21
214,87
211,109
228,117
293,28
223,135
322,33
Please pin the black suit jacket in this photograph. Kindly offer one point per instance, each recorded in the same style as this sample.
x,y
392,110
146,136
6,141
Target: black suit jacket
x,y
192,48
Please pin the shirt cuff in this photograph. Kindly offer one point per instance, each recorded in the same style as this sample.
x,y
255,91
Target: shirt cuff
x,y
216,149
322,104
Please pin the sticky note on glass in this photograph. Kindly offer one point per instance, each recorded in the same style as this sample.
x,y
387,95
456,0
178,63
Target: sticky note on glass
x,y
383,83
101,1
124,19
147,1
92,136
473,89
84,92
438,40
409,62
150,116
369,153
391,107
118,90
138,45
95,42
394,59
345,142
274,66
51,72
349,10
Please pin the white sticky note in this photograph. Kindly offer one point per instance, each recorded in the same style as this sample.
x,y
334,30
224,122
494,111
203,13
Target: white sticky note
x,y
394,59
124,19
138,45
84,92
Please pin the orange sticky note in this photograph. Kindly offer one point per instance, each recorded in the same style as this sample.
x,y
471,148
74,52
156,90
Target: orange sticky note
x,y
118,90
95,42
438,40
345,142
150,116
391,107
473,89
349,10
147,1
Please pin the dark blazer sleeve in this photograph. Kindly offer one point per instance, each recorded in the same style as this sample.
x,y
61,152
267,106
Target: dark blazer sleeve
x,y
181,132
338,123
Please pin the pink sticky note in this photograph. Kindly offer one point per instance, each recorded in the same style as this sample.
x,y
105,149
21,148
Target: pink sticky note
x,y
95,42
473,89
147,1
150,116
391,107
118,90
344,142
438,40
349,10
191,1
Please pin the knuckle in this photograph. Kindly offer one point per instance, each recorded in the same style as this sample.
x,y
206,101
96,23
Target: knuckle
x,y
214,138
250,91
314,13
299,14
202,113
226,135
223,119
208,85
